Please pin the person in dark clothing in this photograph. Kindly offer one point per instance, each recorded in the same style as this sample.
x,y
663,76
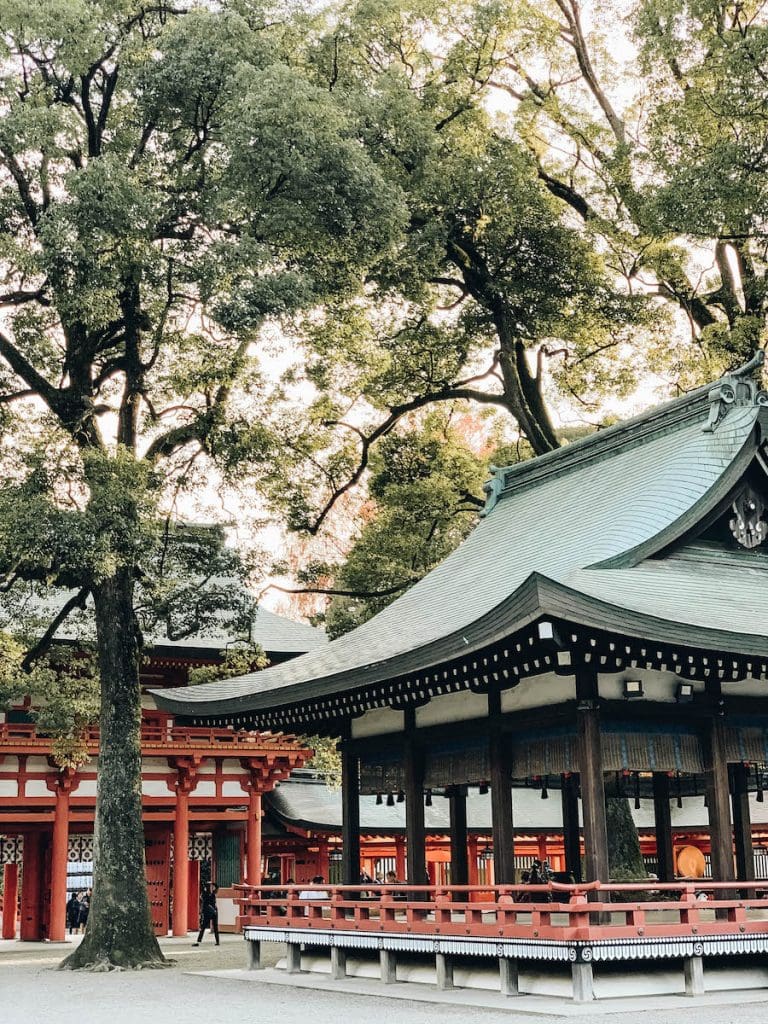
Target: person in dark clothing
x,y
209,917
73,913
85,906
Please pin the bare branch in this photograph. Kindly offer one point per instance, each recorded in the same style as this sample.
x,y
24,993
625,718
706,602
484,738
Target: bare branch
x,y
44,643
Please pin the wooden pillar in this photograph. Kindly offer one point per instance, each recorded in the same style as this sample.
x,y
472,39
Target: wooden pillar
x,y
665,854
10,900
742,823
253,837
591,776
457,804
501,795
400,868
57,930
31,927
350,816
569,795
718,809
181,860
413,766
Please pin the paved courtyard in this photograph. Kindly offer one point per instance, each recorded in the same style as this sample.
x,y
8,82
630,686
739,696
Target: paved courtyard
x,y
33,992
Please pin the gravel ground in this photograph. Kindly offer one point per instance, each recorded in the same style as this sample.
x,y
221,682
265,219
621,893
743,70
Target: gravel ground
x,y
33,992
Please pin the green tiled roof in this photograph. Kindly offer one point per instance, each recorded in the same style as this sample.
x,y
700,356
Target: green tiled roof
x,y
573,534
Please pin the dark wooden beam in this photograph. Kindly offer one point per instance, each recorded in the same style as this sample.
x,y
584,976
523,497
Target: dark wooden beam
x,y
742,824
662,812
718,809
350,816
569,793
591,777
501,794
457,804
416,852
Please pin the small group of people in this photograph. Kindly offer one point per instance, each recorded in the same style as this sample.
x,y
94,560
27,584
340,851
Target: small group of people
x,y
78,905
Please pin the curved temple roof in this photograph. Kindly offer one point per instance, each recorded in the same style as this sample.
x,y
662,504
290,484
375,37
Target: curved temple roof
x,y
573,534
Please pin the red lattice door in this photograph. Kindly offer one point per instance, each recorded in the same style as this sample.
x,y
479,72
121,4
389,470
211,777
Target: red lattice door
x,y
157,849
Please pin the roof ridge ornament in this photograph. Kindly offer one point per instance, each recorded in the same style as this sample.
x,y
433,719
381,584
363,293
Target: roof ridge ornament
x,y
748,525
737,387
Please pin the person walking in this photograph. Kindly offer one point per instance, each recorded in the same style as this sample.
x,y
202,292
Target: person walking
x,y
73,913
85,906
209,916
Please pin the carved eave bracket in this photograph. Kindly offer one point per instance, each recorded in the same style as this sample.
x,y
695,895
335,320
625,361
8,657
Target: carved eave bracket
x,y
493,489
748,523
738,388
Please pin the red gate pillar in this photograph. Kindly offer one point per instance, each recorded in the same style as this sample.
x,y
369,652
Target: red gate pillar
x,y
400,858
181,860
31,927
323,861
58,925
10,899
253,837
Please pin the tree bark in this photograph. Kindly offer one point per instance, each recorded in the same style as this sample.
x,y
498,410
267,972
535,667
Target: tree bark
x,y
119,931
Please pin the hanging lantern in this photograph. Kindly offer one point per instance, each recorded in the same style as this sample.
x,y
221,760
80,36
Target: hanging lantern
x,y
678,788
379,799
390,800
637,791
401,797
428,798
483,789
544,792
759,784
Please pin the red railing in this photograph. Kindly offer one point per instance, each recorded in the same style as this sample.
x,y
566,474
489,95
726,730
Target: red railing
x,y
547,912
25,734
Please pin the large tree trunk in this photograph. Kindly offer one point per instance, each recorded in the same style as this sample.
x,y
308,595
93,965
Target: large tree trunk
x,y
119,931
624,856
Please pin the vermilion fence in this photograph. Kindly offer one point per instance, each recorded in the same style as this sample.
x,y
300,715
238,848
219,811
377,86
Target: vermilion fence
x,y
25,733
589,912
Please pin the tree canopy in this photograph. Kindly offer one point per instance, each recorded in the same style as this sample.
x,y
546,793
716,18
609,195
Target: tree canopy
x,y
170,181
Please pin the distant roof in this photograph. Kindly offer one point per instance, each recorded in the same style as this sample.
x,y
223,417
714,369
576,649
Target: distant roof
x,y
273,633
576,534
308,803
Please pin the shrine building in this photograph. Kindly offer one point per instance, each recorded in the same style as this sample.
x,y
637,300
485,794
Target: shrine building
x,y
606,620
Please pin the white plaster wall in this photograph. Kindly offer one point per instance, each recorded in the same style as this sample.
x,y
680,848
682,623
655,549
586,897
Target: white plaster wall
x,y
9,763
37,764
231,766
453,707
204,789
232,789
37,787
9,787
227,910
746,688
154,764
155,787
377,722
207,768
538,691
86,788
